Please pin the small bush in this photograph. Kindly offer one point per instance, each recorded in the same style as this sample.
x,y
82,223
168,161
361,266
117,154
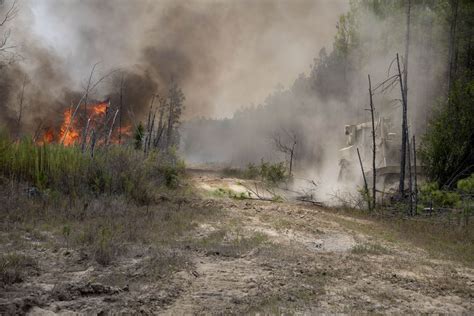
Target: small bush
x,y
430,194
467,185
273,173
220,192
252,171
105,250
15,267
370,249
164,262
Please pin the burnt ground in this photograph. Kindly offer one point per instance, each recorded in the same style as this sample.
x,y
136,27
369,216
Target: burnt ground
x,y
250,257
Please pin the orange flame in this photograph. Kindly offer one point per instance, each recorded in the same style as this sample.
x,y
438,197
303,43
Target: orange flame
x,y
68,131
72,128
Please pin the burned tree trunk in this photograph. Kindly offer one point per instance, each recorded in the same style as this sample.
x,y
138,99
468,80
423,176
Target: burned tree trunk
x,y
404,92
416,182
410,177
148,126
120,110
366,188
161,126
401,187
109,135
84,136
374,149
287,149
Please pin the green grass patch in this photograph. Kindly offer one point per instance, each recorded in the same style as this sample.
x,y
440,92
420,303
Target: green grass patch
x,y
370,249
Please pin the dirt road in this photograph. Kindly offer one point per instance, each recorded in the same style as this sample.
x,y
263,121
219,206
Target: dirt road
x,y
255,257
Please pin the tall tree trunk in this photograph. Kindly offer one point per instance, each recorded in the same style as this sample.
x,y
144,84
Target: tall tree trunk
x,y
410,177
416,177
404,91
120,111
403,151
366,188
169,133
374,189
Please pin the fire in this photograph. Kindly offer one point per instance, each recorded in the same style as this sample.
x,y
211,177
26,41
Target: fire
x,y
98,119
48,137
100,109
68,133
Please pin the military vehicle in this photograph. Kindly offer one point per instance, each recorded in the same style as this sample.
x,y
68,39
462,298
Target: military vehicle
x,y
387,144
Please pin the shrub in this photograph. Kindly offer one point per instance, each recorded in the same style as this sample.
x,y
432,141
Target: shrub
x,y
467,185
14,267
431,194
252,171
273,173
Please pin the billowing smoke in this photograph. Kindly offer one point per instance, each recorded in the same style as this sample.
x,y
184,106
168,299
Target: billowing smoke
x,y
334,93
224,54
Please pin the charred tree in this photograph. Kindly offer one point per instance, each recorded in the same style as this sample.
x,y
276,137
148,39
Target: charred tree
x,y
374,149
148,125
161,127
404,92
410,179
415,173
401,187
366,187
288,148
122,83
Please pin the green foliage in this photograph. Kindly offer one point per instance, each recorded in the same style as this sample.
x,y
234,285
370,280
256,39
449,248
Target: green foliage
x,y
138,136
273,173
270,173
113,169
221,192
467,185
430,194
448,144
252,171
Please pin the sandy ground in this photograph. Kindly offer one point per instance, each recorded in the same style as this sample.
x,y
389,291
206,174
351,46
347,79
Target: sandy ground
x,y
309,263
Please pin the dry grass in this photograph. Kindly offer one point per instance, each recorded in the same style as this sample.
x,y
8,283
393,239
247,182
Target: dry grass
x,y
15,267
230,243
441,239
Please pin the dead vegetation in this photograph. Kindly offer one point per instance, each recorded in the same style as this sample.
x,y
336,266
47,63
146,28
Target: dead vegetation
x,y
186,252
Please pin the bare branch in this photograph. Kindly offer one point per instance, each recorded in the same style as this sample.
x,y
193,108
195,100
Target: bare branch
x,y
10,14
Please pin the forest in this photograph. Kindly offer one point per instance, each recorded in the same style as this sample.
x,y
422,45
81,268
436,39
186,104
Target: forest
x,y
236,157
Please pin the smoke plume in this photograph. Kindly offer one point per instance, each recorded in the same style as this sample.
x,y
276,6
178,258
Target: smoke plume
x,y
224,54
